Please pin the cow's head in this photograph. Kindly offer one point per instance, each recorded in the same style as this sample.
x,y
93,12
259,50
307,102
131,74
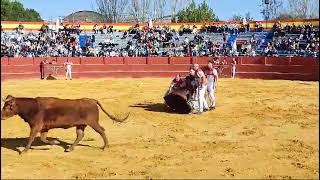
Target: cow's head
x,y
10,108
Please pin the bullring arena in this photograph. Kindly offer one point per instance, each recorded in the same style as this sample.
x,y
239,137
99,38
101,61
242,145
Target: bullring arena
x,y
265,125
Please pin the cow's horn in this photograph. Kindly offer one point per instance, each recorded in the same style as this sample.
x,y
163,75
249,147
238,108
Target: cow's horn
x,y
4,100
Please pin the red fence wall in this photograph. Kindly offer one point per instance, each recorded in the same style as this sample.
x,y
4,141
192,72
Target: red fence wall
x,y
295,68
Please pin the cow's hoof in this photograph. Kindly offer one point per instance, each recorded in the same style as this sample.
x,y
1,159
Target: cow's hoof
x,y
54,142
105,147
23,152
69,149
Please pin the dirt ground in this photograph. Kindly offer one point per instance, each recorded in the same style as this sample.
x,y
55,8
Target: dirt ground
x,y
260,129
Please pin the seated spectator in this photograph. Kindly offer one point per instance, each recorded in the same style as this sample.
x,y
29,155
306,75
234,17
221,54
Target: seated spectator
x,y
95,29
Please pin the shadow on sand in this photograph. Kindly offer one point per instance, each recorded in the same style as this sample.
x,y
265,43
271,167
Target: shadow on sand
x,y
14,143
155,107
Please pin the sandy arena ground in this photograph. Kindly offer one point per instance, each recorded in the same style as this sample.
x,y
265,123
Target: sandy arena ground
x,y
260,129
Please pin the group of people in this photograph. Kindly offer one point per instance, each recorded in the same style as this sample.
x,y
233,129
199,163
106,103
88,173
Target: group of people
x,y
42,44
202,80
206,80
301,40
67,66
160,41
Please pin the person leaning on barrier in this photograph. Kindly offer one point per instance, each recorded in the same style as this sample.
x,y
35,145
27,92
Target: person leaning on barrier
x,y
42,64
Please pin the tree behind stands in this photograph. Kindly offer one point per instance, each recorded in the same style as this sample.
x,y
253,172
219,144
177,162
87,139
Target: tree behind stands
x,y
14,11
193,14
238,17
290,9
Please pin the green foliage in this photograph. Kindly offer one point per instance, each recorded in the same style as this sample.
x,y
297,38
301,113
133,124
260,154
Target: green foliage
x,y
236,17
202,13
284,16
14,11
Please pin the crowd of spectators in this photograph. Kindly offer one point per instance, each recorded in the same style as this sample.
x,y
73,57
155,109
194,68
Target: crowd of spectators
x,y
159,41
163,41
301,40
39,44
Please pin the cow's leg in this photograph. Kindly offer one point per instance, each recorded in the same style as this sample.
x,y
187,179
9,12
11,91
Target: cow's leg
x,y
43,137
99,129
33,134
80,134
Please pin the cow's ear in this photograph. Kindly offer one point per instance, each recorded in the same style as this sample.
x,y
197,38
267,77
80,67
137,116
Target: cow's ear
x,y
9,97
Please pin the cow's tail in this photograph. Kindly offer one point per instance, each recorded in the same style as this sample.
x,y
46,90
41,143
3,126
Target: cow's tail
x,y
112,117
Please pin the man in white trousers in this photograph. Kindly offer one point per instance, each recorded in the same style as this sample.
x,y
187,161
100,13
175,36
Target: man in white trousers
x,y
212,77
233,68
68,66
203,106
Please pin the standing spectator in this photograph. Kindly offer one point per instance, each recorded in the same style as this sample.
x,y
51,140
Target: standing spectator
x,y
95,29
233,70
42,64
68,66
244,24
88,41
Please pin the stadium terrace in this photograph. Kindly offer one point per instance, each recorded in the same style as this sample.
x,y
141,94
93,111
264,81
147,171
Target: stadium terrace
x,y
268,38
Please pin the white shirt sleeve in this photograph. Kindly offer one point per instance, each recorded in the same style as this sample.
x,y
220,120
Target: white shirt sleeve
x,y
200,74
215,72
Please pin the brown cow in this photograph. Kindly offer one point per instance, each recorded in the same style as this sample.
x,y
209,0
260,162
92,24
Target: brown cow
x,y
45,113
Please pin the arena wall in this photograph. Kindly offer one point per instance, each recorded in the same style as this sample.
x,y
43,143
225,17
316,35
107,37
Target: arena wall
x,y
290,68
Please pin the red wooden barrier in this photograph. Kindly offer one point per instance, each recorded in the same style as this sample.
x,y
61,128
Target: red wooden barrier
x,y
307,61
62,60
275,68
131,68
20,69
292,76
4,61
201,60
158,60
113,60
277,61
92,60
74,60
136,60
20,61
229,60
37,60
180,60
253,60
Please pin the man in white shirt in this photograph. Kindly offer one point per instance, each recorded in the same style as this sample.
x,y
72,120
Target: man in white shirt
x,y
212,77
201,89
68,66
233,70
112,53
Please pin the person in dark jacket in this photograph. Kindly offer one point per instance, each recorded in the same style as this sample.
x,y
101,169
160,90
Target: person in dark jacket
x,y
42,64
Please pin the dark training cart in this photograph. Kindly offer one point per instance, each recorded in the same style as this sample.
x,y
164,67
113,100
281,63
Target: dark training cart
x,y
181,100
